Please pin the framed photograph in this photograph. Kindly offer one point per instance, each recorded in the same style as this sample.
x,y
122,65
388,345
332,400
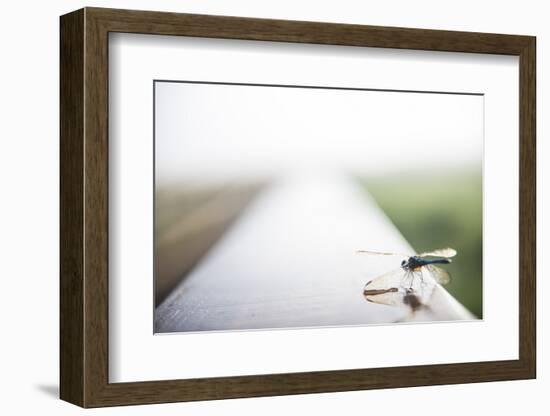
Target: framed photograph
x,y
254,207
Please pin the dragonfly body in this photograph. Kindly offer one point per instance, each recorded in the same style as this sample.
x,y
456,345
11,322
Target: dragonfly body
x,y
414,263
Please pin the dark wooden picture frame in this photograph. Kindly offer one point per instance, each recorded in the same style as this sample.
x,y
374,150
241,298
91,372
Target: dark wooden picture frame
x,y
84,207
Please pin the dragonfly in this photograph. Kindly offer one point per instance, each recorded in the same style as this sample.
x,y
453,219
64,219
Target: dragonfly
x,y
412,283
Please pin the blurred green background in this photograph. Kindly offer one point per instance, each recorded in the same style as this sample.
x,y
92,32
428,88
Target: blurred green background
x,y
435,210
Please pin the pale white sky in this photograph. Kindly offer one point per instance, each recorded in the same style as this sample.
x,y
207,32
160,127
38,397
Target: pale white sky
x,y
215,132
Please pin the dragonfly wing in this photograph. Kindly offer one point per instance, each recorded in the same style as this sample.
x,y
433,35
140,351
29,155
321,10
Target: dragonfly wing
x,y
379,253
442,252
398,287
440,275
386,289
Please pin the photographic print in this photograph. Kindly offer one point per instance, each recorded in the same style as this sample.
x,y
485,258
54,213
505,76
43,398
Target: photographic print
x,y
289,206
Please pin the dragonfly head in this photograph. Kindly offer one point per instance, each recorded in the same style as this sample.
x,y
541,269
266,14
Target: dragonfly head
x,y
403,263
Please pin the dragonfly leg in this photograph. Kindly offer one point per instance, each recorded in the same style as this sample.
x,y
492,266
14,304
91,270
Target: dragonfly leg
x,y
411,275
404,279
